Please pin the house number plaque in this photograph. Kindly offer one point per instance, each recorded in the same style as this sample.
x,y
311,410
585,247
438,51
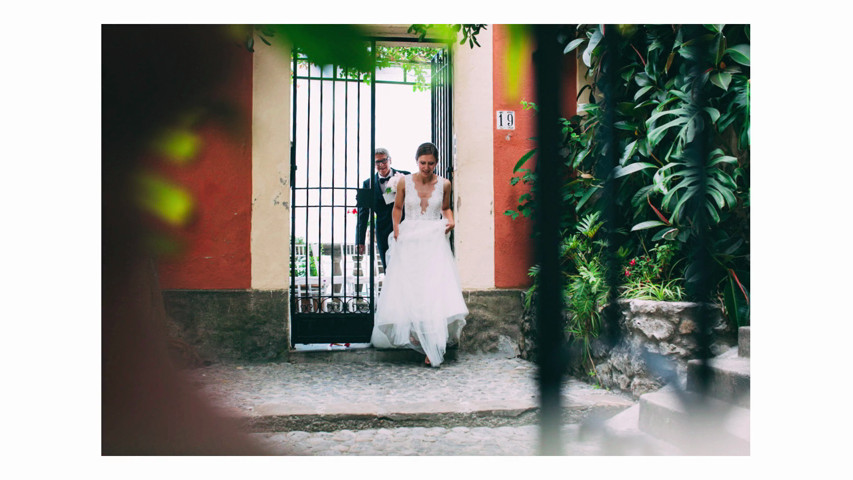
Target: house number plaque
x,y
506,120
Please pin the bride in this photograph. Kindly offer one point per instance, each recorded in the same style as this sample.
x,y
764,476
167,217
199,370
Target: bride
x,y
421,305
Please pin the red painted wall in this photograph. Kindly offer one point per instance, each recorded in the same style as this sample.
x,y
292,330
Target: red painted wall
x,y
217,242
513,246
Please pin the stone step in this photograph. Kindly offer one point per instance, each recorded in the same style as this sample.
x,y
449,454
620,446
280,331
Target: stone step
x,y
743,341
729,379
623,430
337,354
695,424
578,406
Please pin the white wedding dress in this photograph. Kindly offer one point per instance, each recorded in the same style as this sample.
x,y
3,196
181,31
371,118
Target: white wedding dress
x,y
421,305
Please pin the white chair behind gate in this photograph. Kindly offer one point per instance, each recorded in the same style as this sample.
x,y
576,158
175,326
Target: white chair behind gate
x,y
358,280
309,288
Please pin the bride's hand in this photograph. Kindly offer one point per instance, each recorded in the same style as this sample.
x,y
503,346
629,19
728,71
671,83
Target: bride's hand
x,y
449,226
396,233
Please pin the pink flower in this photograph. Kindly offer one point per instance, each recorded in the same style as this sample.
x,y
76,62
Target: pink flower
x,y
627,273
633,262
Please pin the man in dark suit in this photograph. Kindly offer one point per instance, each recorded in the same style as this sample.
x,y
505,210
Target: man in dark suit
x,y
384,225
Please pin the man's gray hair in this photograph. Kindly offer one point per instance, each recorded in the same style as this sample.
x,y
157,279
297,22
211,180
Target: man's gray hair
x,y
382,151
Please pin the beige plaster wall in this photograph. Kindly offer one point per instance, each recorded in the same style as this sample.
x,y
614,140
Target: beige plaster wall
x,y
271,168
473,120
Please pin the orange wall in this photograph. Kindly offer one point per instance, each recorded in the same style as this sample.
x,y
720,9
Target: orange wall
x,y
513,245
218,253
513,255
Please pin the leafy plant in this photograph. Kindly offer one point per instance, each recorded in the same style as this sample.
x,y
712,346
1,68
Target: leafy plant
x,y
579,186
415,61
669,291
658,120
663,194
469,31
309,261
354,56
652,276
585,291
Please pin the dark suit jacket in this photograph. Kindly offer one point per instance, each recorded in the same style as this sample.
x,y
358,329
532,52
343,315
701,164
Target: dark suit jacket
x,y
384,223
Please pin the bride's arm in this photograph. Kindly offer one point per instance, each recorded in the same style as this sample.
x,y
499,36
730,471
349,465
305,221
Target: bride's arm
x,y
397,212
445,207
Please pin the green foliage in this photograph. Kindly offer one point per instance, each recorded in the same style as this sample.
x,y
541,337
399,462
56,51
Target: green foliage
x,y
579,188
670,291
656,121
310,261
653,276
415,62
586,290
735,299
345,46
164,199
450,32
324,44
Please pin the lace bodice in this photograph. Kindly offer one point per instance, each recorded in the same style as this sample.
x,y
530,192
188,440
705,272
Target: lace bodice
x,y
418,208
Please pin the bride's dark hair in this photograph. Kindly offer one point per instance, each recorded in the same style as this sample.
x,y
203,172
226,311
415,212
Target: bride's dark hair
x,y
427,149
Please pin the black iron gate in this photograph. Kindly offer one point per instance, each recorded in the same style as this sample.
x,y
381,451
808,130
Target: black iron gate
x,y
442,116
330,295
332,286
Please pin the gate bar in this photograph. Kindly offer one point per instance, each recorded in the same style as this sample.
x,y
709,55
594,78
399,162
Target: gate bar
x,y
346,181
372,175
547,64
293,196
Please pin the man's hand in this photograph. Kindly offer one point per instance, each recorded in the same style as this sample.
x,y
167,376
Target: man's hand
x,y
361,249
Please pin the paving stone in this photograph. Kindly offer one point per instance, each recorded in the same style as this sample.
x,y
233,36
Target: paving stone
x,y
379,391
344,435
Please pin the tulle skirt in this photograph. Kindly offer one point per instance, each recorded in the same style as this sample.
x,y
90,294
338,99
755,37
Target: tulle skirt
x,y
421,305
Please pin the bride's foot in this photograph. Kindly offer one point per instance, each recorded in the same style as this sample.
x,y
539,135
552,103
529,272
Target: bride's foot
x,y
426,361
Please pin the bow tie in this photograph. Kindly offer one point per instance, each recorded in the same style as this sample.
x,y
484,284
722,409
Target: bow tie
x,y
384,179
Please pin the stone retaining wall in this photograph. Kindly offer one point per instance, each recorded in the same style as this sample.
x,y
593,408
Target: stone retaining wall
x,y
251,325
656,341
494,322
242,325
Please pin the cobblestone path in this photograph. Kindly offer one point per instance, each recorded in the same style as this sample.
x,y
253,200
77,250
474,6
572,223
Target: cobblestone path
x,y
470,383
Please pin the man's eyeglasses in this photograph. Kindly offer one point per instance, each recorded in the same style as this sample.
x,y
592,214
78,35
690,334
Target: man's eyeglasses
x,y
382,161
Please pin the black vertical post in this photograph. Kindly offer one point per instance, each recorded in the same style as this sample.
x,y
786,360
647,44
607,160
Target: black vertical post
x,y
307,185
358,165
698,274
608,84
448,88
346,186
332,191
371,158
293,120
547,62
433,93
319,253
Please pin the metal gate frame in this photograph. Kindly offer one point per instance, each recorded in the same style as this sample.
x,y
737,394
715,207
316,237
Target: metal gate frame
x,y
351,318
442,117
